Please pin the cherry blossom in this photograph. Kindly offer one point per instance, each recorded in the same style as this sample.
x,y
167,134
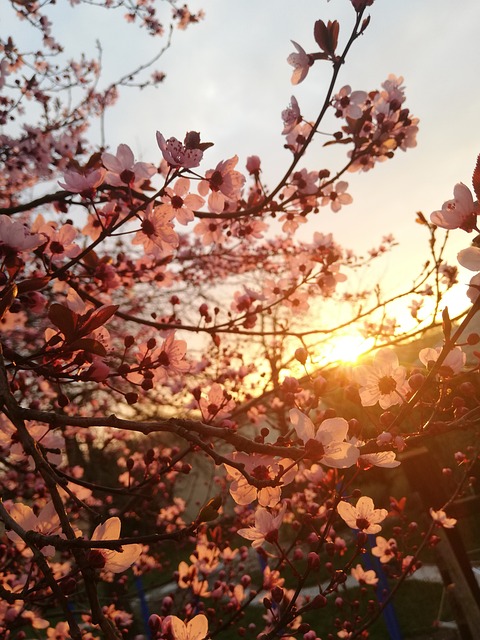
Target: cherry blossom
x,y
194,629
76,182
261,468
336,195
61,243
349,103
459,213
326,443
305,181
182,203
384,381
172,354
157,234
384,459
453,362
364,577
291,116
218,405
473,290
253,165
470,259
385,549
123,170
188,578
210,230
46,522
301,62
364,516
441,518
15,237
178,154
225,185
114,561
266,527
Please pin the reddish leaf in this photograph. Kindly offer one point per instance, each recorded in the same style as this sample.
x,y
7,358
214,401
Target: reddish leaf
x,y
476,179
320,34
326,36
88,344
334,29
33,284
91,259
8,296
64,319
98,318
341,141
447,324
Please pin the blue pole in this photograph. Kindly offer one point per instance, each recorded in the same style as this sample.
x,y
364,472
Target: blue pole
x,y
389,615
143,605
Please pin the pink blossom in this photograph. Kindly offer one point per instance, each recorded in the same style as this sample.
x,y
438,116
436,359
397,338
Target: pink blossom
x,y
179,155
47,522
297,301
195,629
60,242
172,354
115,561
385,550
364,577
336,195
330,435
156,233
459,213
188,579
217,405
210,230
182,203
15,236
349,103
364,516
301,62
452,364
225,185
383,459
266,526
59,632
470,258
384,381
473,290
291,221
123,170
440,517
291,116
97,371
248,228
297,137
253,165
305,181
82,183
261,468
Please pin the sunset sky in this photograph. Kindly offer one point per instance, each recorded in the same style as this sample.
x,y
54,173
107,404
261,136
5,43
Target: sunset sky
x,y
228,78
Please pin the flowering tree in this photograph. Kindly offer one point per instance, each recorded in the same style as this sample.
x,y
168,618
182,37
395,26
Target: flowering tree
x,y
147,311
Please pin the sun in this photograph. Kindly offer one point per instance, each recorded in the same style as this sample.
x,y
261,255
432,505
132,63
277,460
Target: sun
x,y
346,348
